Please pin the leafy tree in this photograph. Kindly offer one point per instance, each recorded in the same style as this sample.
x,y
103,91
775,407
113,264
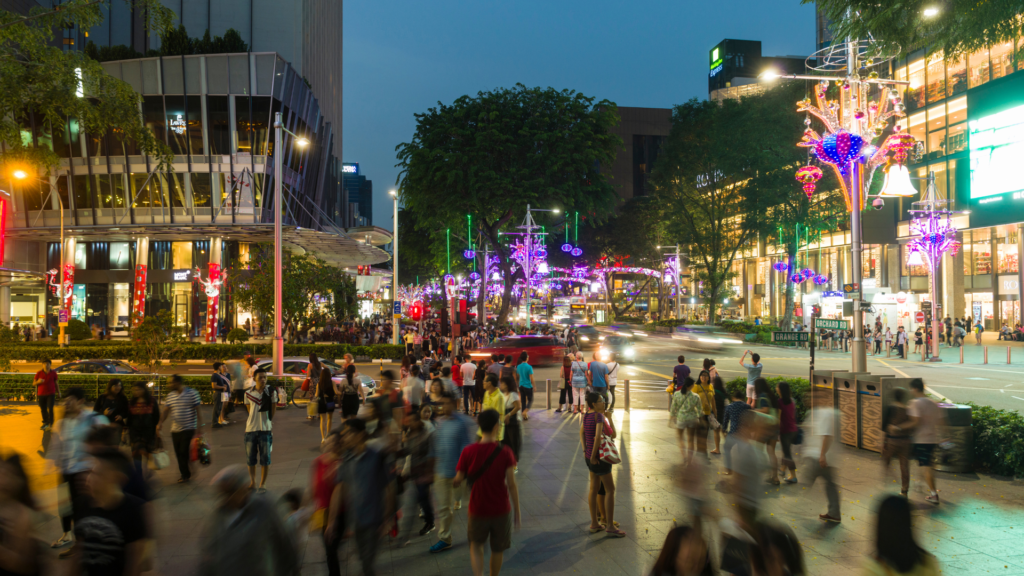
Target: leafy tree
x,y
489,156
343,290
418,259
154,338
177,43
38,77
238,336
960,27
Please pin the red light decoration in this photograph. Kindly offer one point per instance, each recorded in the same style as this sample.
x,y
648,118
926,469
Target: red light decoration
x,y
809,175
69,285
139,293
3,228
900,143
212,301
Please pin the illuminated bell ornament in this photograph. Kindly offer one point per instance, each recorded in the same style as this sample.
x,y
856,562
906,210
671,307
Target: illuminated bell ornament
x,y
897,182
914,258
809,175
839,149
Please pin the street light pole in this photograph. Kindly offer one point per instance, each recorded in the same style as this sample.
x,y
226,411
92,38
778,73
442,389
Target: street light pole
x,y
529,233
397,318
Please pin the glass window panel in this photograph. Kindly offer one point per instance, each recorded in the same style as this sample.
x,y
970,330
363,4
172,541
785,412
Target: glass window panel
x,y
177,129
116,182
219,117
260,124
31,190
956,139
153,116
957,74
217,74
901,75
41,132
83,192
941,190
239,74
956,110
131,72
1006,248
150,77
62,192
978,68
243,124
264,73
936,77
159,257
916,123
1020,53
193,75
140,190
937,143
915,92
181,255
73,138
95,145
120,256
258,182
103,191
936,116
174,75
194,124
1002,60
176,189
201,189
81,262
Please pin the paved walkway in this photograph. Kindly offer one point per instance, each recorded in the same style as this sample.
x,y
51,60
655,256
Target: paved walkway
x,y
976,530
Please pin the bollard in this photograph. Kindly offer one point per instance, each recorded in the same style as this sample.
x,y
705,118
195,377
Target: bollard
x,y
986,355
547,390
627,394
1007,354
961,354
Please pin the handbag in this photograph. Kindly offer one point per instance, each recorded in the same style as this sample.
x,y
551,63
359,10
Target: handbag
x,y
608,451
311,409
713,422
799,438
305,385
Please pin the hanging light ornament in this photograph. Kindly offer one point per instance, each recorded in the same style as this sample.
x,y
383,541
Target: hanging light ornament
x,y
897,182
796,278
577,252
468,254
809,175
540,253
914,258
781,267
566,247
839,149
821,279
474,276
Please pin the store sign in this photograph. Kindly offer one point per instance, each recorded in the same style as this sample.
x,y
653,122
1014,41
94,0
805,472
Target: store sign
x,y
182,275
1008,284
715,70
716,58
177,124
831,294
901,298
350,168
997,145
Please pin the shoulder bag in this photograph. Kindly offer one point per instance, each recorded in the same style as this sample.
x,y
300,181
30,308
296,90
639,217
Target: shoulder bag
x,y
608,451
472,478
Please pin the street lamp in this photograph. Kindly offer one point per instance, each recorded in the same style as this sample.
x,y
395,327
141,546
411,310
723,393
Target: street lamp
x,y
301,142
931,12
397,318
678,272
529,225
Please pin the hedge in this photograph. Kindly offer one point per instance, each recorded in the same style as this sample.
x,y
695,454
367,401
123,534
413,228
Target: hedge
x,y
798,387
34,352
19,386
998,440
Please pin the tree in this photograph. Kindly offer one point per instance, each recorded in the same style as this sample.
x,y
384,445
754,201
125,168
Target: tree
x,y
8,341
959,28
489,156
155,337
177,43
230,42
37,77
344,304
307,288
722,166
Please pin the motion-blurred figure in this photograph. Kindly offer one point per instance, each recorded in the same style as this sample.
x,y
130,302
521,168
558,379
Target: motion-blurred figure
x,y
749,463
818,452
685,553
18,549
896,551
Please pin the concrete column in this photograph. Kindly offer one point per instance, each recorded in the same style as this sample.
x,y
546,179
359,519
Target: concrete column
x,y
139,287
5,306
893,269
212,285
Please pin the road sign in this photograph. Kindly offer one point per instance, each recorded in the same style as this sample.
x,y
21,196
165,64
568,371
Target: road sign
x,y
919,316
398,308
789,336
830,324
853,287
62,317
926,305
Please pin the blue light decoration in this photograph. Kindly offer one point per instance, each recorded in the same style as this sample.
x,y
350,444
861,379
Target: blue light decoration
x,y
540,253
556,286
577,252
566,247
832,294
839,149
781,267
807,273
474,276
821,279
468,254
796,278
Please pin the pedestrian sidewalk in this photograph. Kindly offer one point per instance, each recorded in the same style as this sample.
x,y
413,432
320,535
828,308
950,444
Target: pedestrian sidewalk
x,y
976,529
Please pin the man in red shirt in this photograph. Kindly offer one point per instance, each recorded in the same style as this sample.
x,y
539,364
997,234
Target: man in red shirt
x,y
46,389
489,468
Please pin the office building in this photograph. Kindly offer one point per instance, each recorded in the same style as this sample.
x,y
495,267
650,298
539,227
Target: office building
x,y
358,195
736,64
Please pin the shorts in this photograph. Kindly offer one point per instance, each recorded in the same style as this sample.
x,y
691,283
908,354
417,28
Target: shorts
x,y
600,469
923,454
750,391
497,528
258,443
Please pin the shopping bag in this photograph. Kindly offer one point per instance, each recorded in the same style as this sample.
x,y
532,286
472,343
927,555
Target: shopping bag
x,y
159,460
305,385
713,422
311,410
608,452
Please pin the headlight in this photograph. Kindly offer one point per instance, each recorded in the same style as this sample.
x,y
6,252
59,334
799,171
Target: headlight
x,y
601,338
629,352
584,338
639,334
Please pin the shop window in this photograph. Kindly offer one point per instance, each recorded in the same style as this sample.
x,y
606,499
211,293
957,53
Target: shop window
x,y
160,255
194,124
158,297
1006,247
260,124
219,118
201,254
175,188
916,126
120,256
936,77
153,116
181,255
977,253
103,195
940,180
80,258
97,255
119,306
62,193
936,131
201,189
243,124
82,186
978,68
96,300
177,127
1002,60
901,75
78,302
956,117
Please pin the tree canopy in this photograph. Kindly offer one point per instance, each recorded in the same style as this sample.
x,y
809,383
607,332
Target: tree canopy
x,y
39,78
491,155
960,27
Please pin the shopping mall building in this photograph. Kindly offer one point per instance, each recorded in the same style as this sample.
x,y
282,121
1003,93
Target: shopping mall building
x,y
138,240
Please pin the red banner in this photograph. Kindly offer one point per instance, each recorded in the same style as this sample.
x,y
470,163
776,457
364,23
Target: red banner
x,y
212,288
69,285
139,296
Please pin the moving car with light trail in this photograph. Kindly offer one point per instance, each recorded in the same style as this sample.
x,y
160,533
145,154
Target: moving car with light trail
x,y
621,346
703,338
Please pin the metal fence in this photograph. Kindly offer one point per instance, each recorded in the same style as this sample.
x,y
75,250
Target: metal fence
x,y
15,386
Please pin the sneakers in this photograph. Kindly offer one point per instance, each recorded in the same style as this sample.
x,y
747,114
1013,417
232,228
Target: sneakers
x,y
791,480
440,546
427,529
933,498
828,518
559,411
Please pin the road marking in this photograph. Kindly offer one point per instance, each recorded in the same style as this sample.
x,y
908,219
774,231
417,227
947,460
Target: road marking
x,y
1008,385
978,378
927,388
962,387
894,369
1018,397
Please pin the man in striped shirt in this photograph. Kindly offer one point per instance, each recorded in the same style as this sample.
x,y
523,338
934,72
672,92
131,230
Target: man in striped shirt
x,y
182,404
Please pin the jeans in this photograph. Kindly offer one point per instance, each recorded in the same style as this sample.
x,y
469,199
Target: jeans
x,y
79,497
526,394
786,439
513,436
331,548
46,407
467,396
182,442
218,406
814,471
445,495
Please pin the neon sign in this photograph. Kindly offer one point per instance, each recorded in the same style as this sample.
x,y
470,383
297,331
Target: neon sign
x,y
177,125
997,145
3,228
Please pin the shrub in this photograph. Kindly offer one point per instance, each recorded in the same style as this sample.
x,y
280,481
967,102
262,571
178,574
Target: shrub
x,y
78,330
998,440
121,350
19,386
798,387
238,336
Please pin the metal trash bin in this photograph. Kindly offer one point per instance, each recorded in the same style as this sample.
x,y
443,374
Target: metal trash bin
x,y
845,399
823,379
958,430
869,411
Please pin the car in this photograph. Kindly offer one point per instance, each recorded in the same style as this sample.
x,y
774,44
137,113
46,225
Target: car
x,y
702,338
97,366
543,350
589,337
621,346
295,367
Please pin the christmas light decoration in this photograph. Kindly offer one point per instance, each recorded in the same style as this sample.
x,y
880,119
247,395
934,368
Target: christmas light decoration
x,y
809,175
781,267
821,279
566,247
468,254
897,182
577,252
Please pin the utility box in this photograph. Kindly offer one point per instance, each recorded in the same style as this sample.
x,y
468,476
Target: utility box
x,y
870,435
958,430
845,399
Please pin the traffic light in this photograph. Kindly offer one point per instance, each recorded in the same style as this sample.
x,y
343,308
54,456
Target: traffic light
x,y
416,311
816,311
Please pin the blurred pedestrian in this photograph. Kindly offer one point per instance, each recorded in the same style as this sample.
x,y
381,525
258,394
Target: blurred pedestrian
x,y
721,397
612,378
245,534
594,427
322,479
468,370
787,430
113,404
417,447
732,424
453,434
220,382
748,462
143,417
706,392
684,553
579,383
488,468
895,421
47,391
261,406
350,392
754,369
513,435
896,550
326,400
925,419
776,551
684,415
819,449
18,547
182,405
768,404
565,394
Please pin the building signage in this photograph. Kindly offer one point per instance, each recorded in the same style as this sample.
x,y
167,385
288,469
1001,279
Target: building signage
x,y
997,145
715,70
352,168
177,124
831,294
789,336
1009,284
716,59
831,324
184,275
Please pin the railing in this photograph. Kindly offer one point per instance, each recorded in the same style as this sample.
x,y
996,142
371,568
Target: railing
x,y
19,386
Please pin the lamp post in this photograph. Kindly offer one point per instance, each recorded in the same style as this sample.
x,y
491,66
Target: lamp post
x,y
301,142
679,271
529,225
397,318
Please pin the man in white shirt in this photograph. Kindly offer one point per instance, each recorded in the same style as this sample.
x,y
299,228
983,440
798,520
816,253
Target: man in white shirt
x,y
819,452
468,370
612,378
261,405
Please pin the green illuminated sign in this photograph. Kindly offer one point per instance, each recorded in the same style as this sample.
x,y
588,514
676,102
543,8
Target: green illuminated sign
x,y
997,147
715,58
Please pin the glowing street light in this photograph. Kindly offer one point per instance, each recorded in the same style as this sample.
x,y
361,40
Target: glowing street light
x,y
20,174
931,12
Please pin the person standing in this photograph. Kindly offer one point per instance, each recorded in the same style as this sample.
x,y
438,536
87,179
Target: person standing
x,y
721,397
979,328
593,428
579,383
511,420
524,381
410,346
261,405
901,342
706,393
684,414
113,404
494,400
182,405
897,437
613,379
754,369
565,394
819,449
680,372
488,468
221,385
787,429
453,434
888,340
925,419
46,391
351,393
597,373
468,369
326,400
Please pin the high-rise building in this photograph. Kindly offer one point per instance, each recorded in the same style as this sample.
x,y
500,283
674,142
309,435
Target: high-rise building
x,y
736,64
643,130
358,194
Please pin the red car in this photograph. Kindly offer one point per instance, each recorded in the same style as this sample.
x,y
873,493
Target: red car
x,y
543,350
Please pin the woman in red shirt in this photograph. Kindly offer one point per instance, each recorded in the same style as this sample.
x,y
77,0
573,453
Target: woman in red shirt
x,y
322,479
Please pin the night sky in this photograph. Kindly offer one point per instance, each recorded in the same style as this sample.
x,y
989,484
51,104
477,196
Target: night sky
x,y
402,57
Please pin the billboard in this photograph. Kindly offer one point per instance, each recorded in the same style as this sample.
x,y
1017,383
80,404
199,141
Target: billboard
x,y
995,131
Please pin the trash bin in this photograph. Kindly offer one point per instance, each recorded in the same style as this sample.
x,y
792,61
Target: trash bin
x,y
869,409
958,430
845,398
823,379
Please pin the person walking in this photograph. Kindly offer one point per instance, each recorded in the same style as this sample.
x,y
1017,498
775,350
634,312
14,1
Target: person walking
x,y
143,417
113,404
181,405
705,391
245,533
684,415
819,452
494,400
895,421
593,429
326,400
46,393
478,387
488,468
323,476
579,383
565,394
261,406
925,419
511,419
68,453
417,447
351,393
948,323
453,434
768,404
524,381
754,369
721,397
748,461
680,372
613,379
468,369
787,429
19,552
897,552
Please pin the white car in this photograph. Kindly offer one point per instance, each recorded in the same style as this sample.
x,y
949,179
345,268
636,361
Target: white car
x,y
295,367
702,339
